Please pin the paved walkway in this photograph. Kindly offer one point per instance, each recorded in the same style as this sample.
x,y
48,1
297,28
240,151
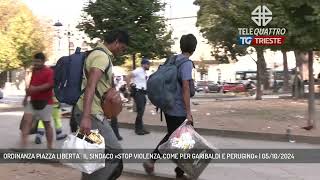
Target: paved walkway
x,y
9,129
27,171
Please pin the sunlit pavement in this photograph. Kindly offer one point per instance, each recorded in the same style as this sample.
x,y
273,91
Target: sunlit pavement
x,y
9,129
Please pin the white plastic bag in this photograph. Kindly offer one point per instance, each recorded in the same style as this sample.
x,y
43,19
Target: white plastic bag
x,y
185,140
77,145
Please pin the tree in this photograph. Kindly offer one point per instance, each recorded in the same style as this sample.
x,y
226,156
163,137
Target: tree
x,y
147,29
21,35
219,21
304,30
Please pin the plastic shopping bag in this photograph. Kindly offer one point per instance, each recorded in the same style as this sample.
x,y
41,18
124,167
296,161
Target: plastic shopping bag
x,y
185,140
83,144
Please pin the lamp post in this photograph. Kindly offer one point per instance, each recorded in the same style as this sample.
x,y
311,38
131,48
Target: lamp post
x,y
59,24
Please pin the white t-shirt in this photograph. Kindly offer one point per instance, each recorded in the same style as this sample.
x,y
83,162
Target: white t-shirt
x,y
140,78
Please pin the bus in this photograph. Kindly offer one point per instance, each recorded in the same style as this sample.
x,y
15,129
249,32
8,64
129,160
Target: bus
x,y
242,76
278,76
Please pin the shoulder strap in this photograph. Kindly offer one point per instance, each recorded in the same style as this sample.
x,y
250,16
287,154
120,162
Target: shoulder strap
x,y
106,70
100,49
178,66
171,59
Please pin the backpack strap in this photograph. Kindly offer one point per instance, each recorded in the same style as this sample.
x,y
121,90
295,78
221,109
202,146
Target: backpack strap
x,y
106,71
184,60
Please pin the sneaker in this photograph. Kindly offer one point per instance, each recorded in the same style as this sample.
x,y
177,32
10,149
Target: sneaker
x,y
145,131
61,136
38,140
140,133
180,173
119,138
148,167
183,177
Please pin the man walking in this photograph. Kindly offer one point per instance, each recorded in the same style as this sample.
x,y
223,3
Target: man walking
x,y
181,111
88,111
139,77
40,105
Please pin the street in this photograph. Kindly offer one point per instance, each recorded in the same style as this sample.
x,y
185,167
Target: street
x,y
9,129
50,172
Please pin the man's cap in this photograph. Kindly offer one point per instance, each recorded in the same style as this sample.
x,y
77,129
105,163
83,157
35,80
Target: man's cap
x,y
145,61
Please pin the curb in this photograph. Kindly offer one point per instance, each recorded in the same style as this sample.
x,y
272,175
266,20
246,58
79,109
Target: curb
x,y
236,134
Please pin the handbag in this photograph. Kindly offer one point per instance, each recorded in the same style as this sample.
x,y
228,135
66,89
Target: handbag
x,y
111,103
39,104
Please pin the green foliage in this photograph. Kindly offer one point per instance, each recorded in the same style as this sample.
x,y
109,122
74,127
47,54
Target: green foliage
x,y
21,35
147,29
219,21
302,21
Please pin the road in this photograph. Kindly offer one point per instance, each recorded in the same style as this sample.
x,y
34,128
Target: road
x,y
10,137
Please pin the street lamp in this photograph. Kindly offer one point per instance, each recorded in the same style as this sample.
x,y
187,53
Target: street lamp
x,y
59,24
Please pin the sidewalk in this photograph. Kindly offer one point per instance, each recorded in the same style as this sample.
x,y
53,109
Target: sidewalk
x,y
9,129
267,119
27,171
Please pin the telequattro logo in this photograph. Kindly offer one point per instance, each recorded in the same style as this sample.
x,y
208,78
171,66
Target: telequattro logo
x,y
261,36
261,15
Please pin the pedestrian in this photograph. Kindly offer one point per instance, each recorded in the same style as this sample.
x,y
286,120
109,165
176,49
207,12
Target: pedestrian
x,y
88,111
40,92
139,77
114,120
181,111
56,115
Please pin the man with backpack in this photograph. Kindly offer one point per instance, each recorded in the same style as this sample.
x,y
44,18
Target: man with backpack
x,y
172,93
40,105
88,112
140,78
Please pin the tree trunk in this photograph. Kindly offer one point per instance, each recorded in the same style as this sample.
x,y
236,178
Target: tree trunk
x,y
296,82
134,61
311,102
260,72
285,72
264,73
301,62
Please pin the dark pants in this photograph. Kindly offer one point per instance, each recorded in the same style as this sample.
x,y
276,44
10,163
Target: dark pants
x,y
140,100
173,122
115,126
73,124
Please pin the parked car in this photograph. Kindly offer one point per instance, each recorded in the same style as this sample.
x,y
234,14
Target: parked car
x,y
207,86
214,87
233,87
201,86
